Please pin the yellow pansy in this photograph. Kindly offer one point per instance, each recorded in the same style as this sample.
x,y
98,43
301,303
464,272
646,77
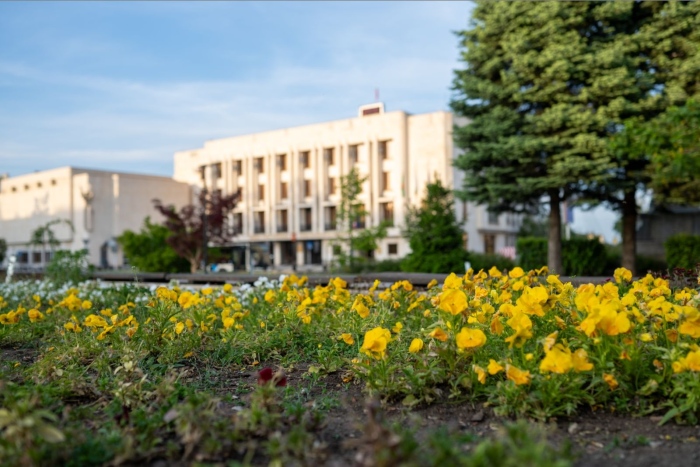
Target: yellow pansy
x,y
469,338
416,345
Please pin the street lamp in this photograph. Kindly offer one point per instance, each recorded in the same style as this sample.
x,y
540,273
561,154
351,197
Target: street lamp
x,y
204,219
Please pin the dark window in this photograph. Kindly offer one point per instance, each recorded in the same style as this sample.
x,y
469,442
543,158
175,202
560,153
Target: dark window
x,y
353,156
307,188
393,248
305,219
237,167
305,159
386,211
282,219
493,218
283,190
259,223
36,256
282,162
330,218
329,156
489,243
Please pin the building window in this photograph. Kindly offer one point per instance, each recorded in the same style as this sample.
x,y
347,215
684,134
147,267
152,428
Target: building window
x,y
284,192
260,165
237,167
330,218
489,243
22,257
386,212
305,220
493,218
383,150
282,162
26,187
307,188
216,171
305,159
386,181
53,181
238,223
14,188
282,219
353,154
38,184
332,186
464,211
393,248
259,226
329,156
36,257
261,193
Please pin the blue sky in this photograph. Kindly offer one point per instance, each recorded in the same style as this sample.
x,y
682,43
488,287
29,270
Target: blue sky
x,y
123,85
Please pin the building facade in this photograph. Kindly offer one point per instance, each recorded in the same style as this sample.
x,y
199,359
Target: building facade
x,y
99,206
290,181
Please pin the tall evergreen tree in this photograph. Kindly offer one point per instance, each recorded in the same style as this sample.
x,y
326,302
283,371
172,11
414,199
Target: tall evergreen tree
x,y
545,85
434,234
666,50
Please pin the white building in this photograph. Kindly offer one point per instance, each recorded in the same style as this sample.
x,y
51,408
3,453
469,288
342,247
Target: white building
x,y
99,205
290,180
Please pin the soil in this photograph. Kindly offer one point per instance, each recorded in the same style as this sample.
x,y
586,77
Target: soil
x,y
596,438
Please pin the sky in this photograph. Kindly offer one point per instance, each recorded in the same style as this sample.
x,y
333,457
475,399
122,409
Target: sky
x,y
124,85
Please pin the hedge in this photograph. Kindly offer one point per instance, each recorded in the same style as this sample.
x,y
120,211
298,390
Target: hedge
x,y
683,251
580,256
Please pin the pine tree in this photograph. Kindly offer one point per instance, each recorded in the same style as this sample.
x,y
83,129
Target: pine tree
x,y
434,234
545,85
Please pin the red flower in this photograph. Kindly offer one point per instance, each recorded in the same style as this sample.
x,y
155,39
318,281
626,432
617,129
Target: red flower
x,y
265,376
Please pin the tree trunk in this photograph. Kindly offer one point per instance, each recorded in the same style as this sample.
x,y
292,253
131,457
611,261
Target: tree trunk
x,y
629,232
554,243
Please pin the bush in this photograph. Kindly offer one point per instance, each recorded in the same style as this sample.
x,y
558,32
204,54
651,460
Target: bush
x,y
532,252
68,267
583,257
580,256
486,261
683,251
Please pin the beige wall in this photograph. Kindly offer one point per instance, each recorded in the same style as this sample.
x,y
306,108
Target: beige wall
x,y
420,149
120,201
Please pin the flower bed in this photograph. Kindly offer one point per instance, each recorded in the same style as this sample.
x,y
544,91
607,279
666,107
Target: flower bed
x,y
523,344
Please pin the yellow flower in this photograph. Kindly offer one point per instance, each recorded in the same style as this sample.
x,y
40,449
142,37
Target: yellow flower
x,y
610,379
646,337
262,324
496,325
580,361
416,345
480,374
622,274
339,283
518,376
452,282
469,338
516,273
347,338
453,301
432,284
359,306
179,327
495,273
397,328
87,304
557,360
228,288
35,315
494,367
438,334
270,296
375,342
374,285
689,362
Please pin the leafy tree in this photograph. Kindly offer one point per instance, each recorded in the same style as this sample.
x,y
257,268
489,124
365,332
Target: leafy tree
x,y
434,234
189,226
665,39
3,249
44,235
545,84
354,236
149,251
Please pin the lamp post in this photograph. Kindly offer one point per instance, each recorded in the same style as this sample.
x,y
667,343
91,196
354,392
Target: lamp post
x,y
204,219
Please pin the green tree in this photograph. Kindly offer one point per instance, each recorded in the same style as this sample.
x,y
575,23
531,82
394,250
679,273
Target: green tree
x,y
665,48
44,235
149,251
434,234
351,217
545,85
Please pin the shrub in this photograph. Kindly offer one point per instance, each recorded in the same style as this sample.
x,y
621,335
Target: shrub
x,y
580,256
683,251
68,267
583,257
486,261
532,252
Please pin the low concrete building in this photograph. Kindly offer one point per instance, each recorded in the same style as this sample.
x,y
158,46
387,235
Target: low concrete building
x,y
99,205
662,222
290,180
